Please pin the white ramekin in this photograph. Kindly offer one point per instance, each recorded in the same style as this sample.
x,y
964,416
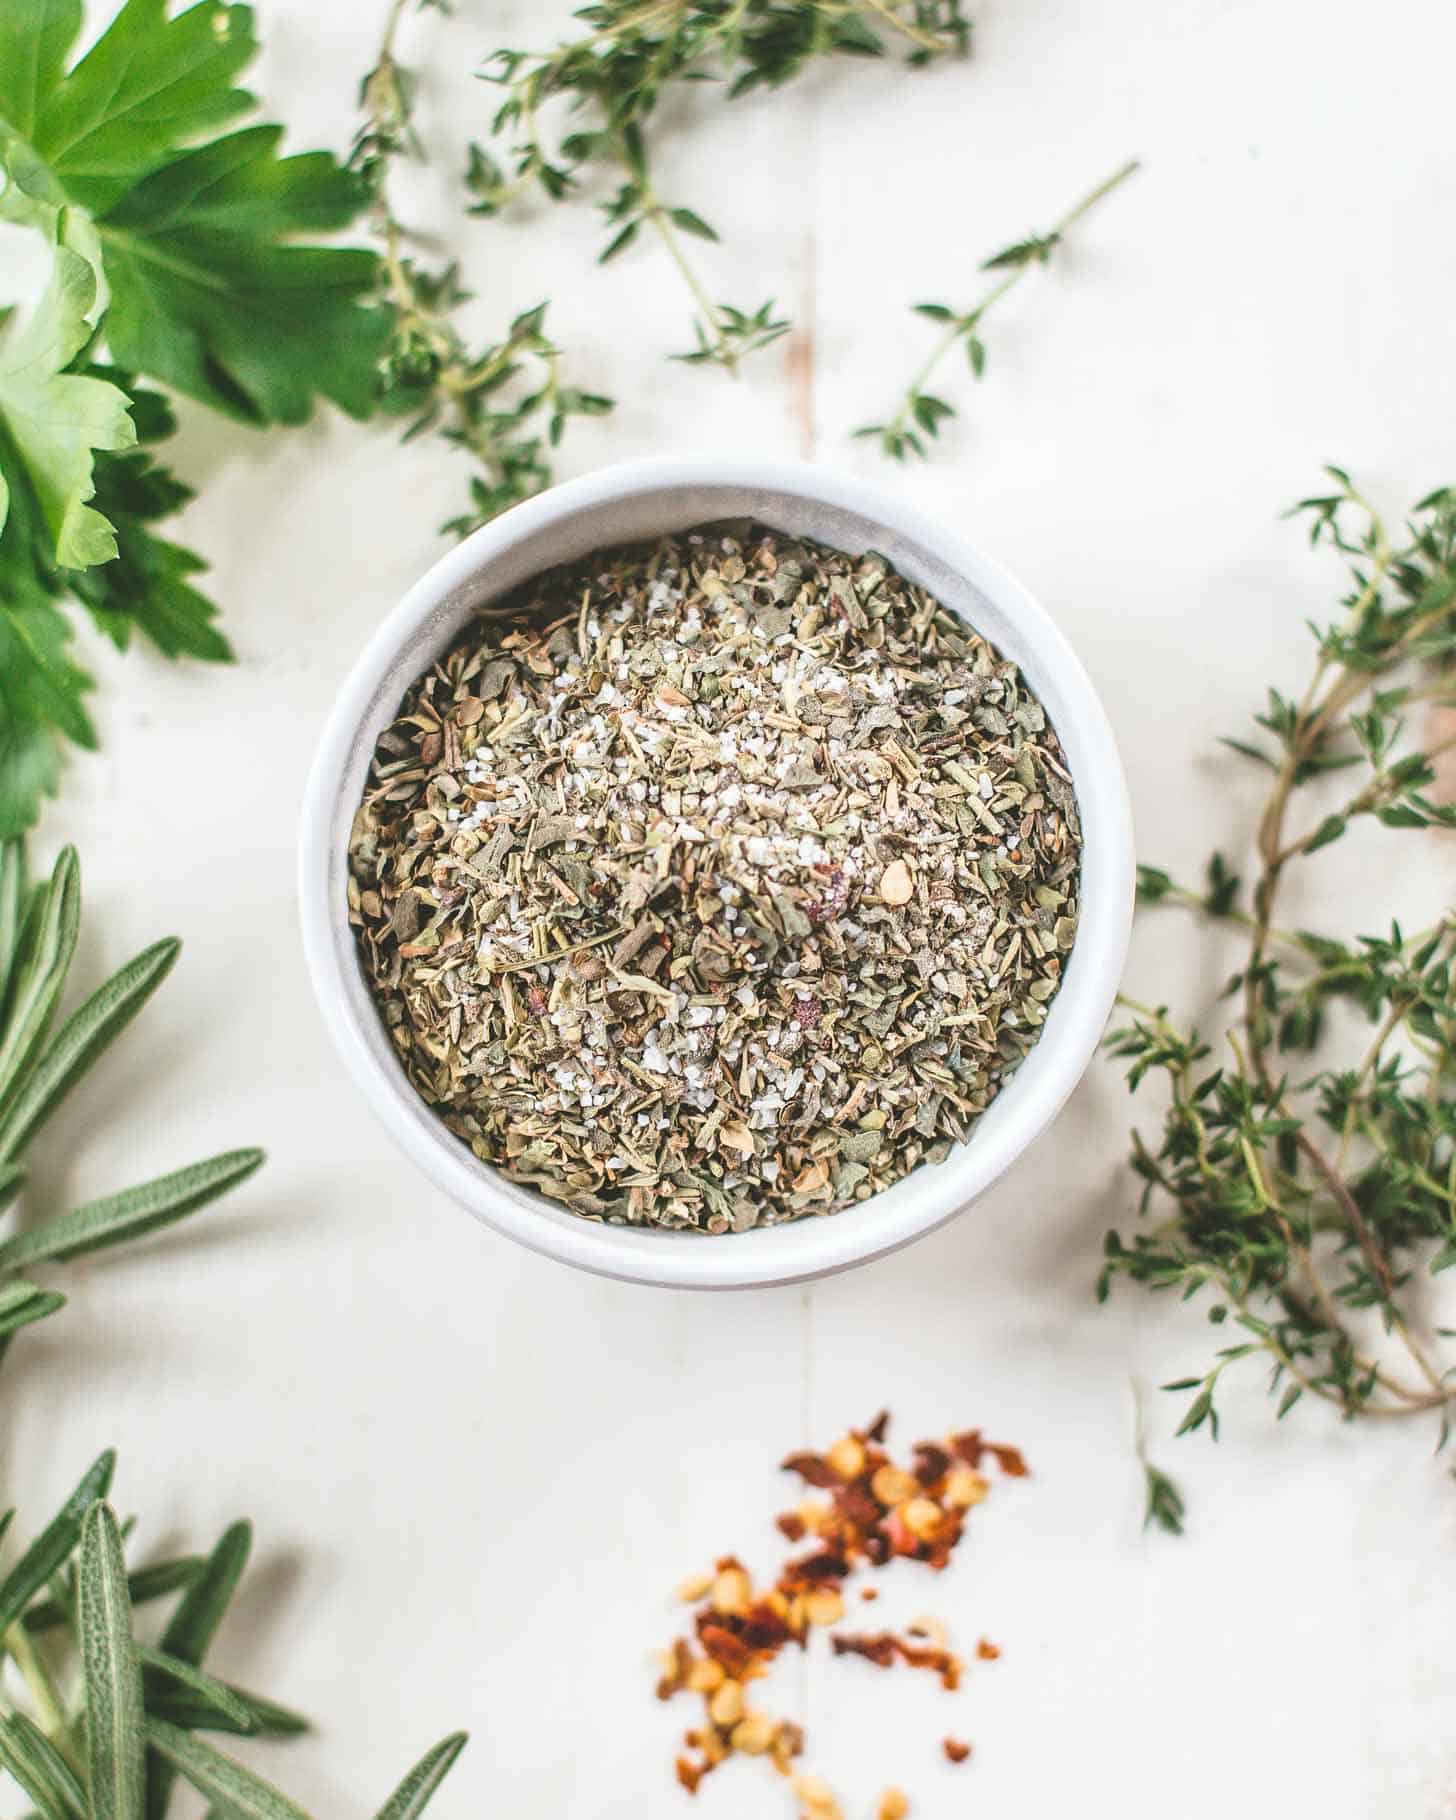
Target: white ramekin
x,y
642,500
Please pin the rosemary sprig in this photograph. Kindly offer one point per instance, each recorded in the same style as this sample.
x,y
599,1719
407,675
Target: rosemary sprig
x,y
102,1723
41,1062
107,1721
476,398
1304,1181
922,411
617,71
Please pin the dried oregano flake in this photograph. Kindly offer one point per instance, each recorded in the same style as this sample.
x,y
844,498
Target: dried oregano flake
x,y
715,883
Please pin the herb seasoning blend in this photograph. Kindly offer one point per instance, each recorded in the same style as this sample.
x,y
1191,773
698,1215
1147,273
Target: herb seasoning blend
x,y
715,883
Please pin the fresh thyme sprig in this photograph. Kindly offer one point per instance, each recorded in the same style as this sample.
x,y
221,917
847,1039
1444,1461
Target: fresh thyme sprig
x,y
613,77
478,398
922,411
1305,1182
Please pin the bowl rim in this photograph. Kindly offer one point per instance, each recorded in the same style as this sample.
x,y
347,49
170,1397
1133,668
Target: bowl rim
x,y
804,1249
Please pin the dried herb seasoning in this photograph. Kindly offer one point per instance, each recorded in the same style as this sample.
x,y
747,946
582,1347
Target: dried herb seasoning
x,y
873,1512
716,882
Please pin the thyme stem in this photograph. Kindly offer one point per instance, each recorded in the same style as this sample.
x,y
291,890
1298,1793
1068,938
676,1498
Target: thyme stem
x,y
919,410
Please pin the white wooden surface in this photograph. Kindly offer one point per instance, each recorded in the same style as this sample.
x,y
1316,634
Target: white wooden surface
x,y
477,1477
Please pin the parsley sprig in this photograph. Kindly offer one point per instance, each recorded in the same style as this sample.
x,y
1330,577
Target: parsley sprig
x,y
1304,1178
477,398
612,79
179,258
917,422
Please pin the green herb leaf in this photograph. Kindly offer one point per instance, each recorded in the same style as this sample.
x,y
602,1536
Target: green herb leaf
x,y
22,1304
148,85
266,1718
55,1544
149,586
196,1620
240,1793
40,1770
119,1218
113,1676
14,894
142,1583
413,1795
693,224
85,1035
187,1638
1330,829
209,293
42,691
1165,1507
215,1695
44,952
56,421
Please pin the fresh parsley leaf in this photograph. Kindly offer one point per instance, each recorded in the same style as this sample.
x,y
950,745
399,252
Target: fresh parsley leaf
x,y
41,689
209,291
148,588
58,420
208,295
148,86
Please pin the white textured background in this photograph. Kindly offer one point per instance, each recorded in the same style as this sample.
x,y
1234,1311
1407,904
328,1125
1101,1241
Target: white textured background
x,y
476,1476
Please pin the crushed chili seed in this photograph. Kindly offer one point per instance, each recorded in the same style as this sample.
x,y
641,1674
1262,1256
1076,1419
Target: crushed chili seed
x,y
872,1512
955,1749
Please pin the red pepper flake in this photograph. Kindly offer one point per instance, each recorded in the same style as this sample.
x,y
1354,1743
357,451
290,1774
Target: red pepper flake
x,y
972,1448
884,1649
988,1652
869,1594
955,1749
813,1470
931,1463
875,1512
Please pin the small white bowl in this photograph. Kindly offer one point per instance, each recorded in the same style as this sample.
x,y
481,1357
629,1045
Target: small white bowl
x,y
642,500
